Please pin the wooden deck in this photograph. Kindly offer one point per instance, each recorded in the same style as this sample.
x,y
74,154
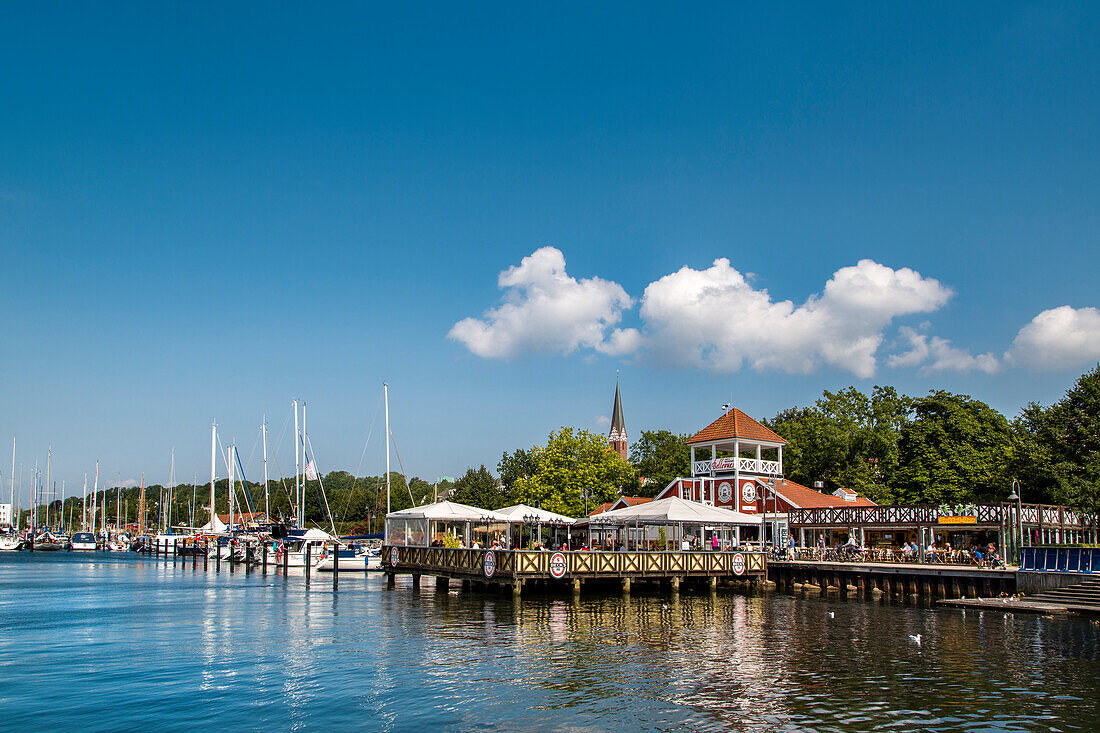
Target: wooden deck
x,y
517,566
931,581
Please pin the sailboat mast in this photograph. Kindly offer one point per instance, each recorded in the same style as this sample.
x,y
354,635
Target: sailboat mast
x,y
297,469
267,507
84,505
171,490
95,490
229,456
46,489
15,516
141,507
386,393
213,469
305,467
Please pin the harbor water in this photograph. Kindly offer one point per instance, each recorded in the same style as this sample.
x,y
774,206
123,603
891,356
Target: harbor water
x,y
115,641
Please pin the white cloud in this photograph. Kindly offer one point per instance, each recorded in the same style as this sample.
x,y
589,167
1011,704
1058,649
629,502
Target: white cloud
x,y
1058,338
934,354
716,320
602,421
130,483
546,310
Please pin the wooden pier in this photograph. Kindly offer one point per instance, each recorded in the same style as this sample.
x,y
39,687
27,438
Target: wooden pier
x,y
923,581
515,568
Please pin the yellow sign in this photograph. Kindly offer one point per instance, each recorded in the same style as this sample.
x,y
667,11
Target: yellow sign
x,y
957,520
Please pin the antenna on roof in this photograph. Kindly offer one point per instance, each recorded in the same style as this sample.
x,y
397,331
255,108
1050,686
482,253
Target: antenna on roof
x,y
726,408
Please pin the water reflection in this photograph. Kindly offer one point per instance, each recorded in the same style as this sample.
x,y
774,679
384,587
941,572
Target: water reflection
x,y
105,642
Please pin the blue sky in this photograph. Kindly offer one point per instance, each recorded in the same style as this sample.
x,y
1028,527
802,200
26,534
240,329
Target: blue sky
x,y
207,211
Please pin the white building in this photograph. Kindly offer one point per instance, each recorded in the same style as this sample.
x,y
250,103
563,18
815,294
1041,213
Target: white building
x,y
5,514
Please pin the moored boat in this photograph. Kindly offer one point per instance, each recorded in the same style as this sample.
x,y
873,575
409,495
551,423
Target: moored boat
x,y
84,541
12,542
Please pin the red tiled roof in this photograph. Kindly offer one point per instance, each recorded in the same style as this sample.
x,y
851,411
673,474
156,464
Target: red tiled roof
x,y
735,424
600,509
806,498
632,500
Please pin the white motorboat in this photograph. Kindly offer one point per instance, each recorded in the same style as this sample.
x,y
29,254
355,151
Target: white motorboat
x,y
84,541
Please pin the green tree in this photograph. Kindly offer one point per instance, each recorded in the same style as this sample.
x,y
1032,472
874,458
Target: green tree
x,y
846,439
1058,456
955,450
573,465
514,466
479,488
659,456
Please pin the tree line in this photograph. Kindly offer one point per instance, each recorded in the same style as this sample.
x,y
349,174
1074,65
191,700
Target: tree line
x,y
889,447
356,504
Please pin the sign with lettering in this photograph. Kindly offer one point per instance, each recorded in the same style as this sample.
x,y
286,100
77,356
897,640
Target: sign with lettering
x,y
489,564
957,520
558,565
737,562
718,464
393,556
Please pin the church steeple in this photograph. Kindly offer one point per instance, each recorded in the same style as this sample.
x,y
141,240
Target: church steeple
x,y
617,436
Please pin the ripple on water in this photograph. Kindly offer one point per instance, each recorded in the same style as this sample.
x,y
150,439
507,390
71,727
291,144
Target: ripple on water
x,y
109,642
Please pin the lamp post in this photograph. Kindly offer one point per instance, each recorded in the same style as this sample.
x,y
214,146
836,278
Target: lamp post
x,y
764,485
1015,496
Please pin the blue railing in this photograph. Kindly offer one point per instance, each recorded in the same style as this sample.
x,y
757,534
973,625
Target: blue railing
x,y
1061,559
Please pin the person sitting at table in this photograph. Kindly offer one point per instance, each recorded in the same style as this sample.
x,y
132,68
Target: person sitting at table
x,y
930,554
850,547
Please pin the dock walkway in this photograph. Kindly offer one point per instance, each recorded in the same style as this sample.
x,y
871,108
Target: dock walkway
x,y
514,568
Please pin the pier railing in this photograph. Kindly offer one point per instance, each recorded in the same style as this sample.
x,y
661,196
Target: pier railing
x,y
518,564
1031,515
1061,559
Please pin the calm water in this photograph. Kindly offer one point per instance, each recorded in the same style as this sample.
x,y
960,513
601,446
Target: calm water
x,y
110,642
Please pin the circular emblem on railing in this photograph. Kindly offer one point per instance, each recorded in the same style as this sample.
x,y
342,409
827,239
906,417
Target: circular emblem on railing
x,y
393,556
738,563
725,492
558,565
489,564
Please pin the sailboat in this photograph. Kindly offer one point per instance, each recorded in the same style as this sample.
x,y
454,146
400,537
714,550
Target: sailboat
x,y
11,541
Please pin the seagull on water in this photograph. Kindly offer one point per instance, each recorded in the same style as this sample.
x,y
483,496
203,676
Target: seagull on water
x,y
832,615
914,638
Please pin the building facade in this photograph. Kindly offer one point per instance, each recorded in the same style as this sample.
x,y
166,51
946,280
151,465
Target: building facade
x,y
737,464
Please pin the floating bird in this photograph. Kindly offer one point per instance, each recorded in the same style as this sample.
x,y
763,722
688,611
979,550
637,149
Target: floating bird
x,y
915,639
832,615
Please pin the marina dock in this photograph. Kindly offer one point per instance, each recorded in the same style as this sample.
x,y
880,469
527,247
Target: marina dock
x,y
926,581
513,569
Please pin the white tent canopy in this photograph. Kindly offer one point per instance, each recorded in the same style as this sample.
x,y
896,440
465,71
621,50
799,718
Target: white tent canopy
x,y
521,512
448,511
317,534
674,510
219,526
420,526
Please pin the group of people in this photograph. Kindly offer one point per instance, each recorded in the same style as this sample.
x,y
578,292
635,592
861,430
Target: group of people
x,y
986,556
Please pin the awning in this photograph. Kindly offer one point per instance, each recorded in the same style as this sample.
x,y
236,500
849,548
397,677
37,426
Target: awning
x,y
448,511
521,513
673,510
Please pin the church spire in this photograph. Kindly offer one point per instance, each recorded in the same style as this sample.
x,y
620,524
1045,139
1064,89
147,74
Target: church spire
x,y
617,436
